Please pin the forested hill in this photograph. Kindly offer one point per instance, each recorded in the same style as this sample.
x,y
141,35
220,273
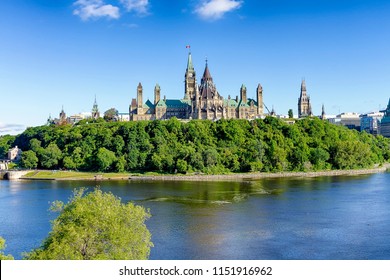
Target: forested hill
x,y
268,145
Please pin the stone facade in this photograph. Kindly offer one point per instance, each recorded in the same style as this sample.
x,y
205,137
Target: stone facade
x,y
304,106
14,154
199,102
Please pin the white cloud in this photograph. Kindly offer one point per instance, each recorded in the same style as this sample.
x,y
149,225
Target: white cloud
x,y
138,6
87,9
215,9
11,129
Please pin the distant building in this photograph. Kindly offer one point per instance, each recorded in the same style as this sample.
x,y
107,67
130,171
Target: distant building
x,y
62,120
199,102
75,118
95,111
14,154
3,165
350,120
123,117
385,122
323,115
371,122
304,105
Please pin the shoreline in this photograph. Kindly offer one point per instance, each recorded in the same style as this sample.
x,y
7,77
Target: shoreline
x,y
253,176
204,177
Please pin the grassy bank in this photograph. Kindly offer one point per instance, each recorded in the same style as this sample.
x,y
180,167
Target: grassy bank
x,y
74,175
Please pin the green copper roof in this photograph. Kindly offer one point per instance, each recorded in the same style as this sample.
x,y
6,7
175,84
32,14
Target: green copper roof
x,y
174,103
248,103
148,104
230,103
385,120
189,62
161,103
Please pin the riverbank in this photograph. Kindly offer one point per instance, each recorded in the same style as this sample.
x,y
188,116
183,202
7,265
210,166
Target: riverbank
x,y
90,176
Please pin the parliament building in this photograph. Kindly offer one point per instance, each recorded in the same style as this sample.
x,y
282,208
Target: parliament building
x,y
200,101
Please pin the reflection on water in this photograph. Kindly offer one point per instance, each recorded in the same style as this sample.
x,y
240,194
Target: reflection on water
x,y
297,218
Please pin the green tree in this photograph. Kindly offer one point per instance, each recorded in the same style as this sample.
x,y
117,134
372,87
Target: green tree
x,y
6,142
181,166
120,165
2,248
29,159
290,113
111,114
105,159
51,156
96,226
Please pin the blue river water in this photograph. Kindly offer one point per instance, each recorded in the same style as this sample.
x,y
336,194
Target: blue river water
x,y
341,217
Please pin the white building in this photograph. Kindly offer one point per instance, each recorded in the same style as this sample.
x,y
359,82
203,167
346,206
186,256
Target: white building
x,y
350,120
14,154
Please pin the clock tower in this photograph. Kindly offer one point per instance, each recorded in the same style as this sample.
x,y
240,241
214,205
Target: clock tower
x,y
189,79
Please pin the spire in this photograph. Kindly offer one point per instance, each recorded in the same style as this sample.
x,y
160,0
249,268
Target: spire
x,y
323,115
189,78
303,88
206,74
95,110
304,106
190,66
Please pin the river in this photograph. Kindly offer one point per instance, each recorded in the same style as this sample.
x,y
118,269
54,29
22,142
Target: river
x,y
340,217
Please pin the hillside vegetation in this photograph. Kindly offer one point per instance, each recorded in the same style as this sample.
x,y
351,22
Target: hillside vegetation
x,y
224,146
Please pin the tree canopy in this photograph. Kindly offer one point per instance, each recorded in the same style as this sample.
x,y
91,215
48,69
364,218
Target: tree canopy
x,y
223,146
2,248
96,226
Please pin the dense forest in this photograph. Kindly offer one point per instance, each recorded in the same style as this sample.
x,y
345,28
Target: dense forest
x,y
224,146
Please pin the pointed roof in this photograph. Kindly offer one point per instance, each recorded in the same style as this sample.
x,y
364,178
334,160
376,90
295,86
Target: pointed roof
x,y
95,106
303,87
190,66
206,74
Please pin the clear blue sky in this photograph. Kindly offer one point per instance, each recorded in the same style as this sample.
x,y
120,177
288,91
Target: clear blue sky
x,y
64,52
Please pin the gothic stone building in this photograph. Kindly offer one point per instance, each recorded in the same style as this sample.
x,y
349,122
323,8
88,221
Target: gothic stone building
x,y
304,106
200,101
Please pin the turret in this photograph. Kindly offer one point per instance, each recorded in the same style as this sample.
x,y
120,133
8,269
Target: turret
x,y
259,93
189,79
304,106
139,100
243,94
323,115
157,91
95,110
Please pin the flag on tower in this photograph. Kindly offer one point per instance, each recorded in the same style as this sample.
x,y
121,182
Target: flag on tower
x,y
188,47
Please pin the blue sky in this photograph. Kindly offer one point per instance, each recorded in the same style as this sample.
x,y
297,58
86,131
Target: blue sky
x,y
64,52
